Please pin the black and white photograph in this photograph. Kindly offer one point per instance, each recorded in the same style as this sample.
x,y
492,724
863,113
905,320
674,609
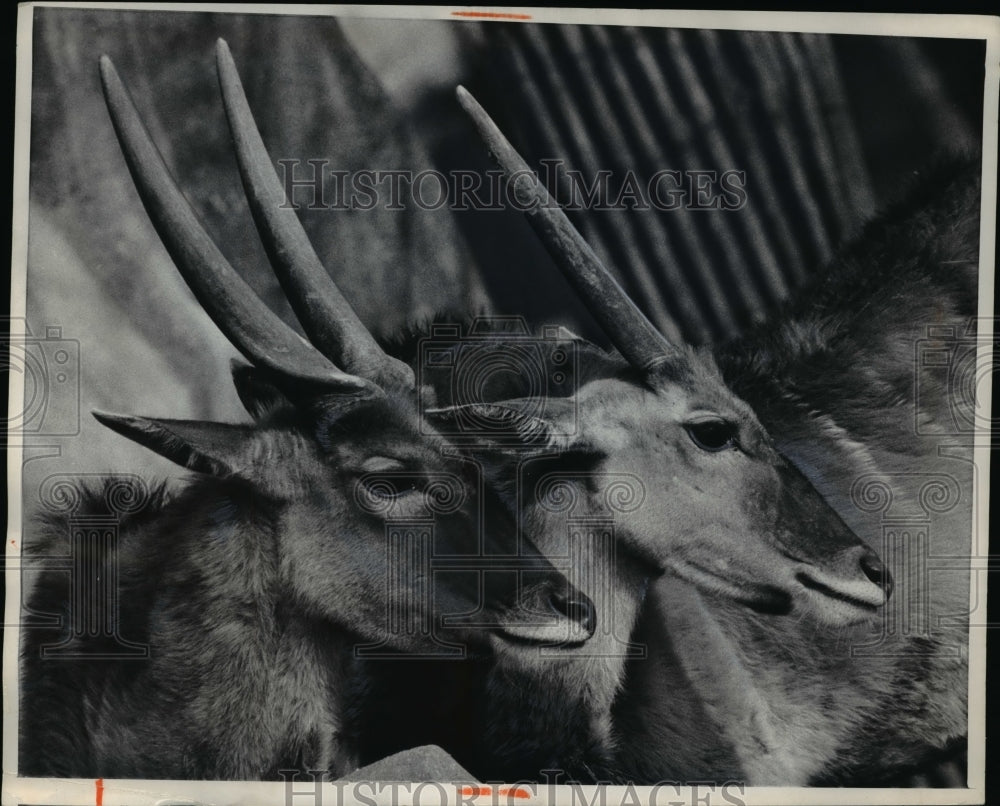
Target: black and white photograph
x,y
450,404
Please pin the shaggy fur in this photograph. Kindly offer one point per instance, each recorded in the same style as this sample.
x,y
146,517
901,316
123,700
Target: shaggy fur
x,y
833,381
200,585
252,587
729,692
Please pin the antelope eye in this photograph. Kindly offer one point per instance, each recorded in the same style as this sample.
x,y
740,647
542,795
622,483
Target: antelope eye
x,y
392,486
712,435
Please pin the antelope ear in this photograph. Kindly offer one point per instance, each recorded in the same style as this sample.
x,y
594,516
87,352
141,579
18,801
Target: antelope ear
x,y
258,394
509,424
217,449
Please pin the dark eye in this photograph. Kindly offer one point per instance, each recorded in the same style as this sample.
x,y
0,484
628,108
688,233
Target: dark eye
x,y
712,435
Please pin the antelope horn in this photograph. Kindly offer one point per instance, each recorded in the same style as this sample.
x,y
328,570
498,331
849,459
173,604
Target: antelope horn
x,y
239,313
327,318
636,338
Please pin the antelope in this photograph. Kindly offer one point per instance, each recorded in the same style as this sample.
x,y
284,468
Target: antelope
x,y
767,627
716,507
851,708
585,712
256,584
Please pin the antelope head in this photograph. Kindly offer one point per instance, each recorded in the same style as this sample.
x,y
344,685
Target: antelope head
x,y
721,508
337,464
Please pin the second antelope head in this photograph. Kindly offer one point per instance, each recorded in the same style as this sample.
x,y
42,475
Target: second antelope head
x,y
722,507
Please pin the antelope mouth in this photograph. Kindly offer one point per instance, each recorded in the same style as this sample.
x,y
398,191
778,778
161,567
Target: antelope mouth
x,y
869,604
762,598
557,616
552,631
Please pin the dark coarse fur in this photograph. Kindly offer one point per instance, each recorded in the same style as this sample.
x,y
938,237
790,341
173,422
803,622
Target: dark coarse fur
x,y
860,331
832,379
843,352
218,647
400,702
254,586
852,329
485,712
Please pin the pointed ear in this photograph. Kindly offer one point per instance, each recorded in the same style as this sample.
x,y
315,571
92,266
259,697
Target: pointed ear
x,y
258,394
205,447
509,424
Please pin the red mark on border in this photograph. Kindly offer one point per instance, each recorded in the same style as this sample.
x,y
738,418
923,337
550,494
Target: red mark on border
x,y
491,15
486,791
99,783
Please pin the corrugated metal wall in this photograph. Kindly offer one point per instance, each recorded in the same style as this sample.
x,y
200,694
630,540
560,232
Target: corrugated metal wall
x,y
771,105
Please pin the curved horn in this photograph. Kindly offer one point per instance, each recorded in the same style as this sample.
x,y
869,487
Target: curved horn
x,y
328,318
239,313
628,328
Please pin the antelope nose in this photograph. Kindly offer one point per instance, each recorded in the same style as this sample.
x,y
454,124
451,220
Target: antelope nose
x,y
876,571
576,607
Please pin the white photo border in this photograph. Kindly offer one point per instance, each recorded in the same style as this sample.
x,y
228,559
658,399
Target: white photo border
x,y
136,792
